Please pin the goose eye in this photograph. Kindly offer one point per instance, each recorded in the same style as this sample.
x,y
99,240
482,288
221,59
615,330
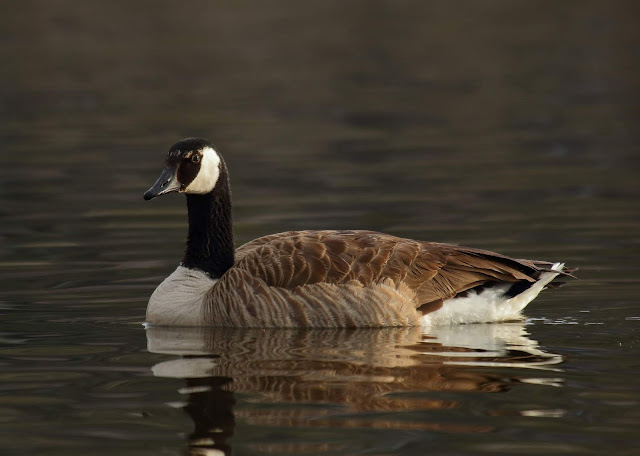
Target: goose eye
x,y
195,158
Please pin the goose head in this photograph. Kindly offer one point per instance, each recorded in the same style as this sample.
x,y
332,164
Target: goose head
x,y
192,166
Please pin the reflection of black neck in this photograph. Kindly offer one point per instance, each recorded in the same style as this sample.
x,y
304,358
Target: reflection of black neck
x,y
210,240
211,410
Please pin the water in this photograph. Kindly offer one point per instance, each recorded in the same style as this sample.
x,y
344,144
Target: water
x,y
510,126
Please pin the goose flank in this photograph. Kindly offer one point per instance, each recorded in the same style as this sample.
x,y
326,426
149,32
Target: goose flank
x,y
323,278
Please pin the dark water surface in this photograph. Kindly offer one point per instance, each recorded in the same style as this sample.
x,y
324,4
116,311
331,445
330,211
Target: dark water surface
x,y
506,125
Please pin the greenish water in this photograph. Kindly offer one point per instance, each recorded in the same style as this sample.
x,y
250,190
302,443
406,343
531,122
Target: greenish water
x,y
505,125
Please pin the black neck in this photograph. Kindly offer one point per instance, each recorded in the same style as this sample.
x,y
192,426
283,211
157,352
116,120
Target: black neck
x,y
210,242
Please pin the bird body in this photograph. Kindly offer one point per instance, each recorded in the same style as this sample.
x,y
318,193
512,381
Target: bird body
x,y
323,278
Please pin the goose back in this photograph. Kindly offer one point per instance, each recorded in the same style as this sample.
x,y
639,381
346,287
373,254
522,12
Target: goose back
x,y
351,278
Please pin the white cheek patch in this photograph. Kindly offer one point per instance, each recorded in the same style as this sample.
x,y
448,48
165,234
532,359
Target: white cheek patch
x,y
208,175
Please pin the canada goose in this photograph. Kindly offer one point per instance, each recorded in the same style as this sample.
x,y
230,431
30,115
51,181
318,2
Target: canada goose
x,y
323,278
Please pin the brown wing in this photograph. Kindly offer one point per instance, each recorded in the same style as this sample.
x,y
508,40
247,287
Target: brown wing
x,y
433,271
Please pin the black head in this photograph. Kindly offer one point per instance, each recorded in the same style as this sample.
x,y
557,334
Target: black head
x,y
192,166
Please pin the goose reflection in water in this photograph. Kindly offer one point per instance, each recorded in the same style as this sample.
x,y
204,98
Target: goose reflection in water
x,y
326,378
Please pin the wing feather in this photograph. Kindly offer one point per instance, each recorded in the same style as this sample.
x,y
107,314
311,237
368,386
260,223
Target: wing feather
x,y
433,271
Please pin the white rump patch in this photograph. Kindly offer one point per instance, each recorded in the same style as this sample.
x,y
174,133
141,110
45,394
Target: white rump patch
x,y
179,299
208,175
490,304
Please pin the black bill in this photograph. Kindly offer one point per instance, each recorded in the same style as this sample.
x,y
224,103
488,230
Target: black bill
x,y
166,183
